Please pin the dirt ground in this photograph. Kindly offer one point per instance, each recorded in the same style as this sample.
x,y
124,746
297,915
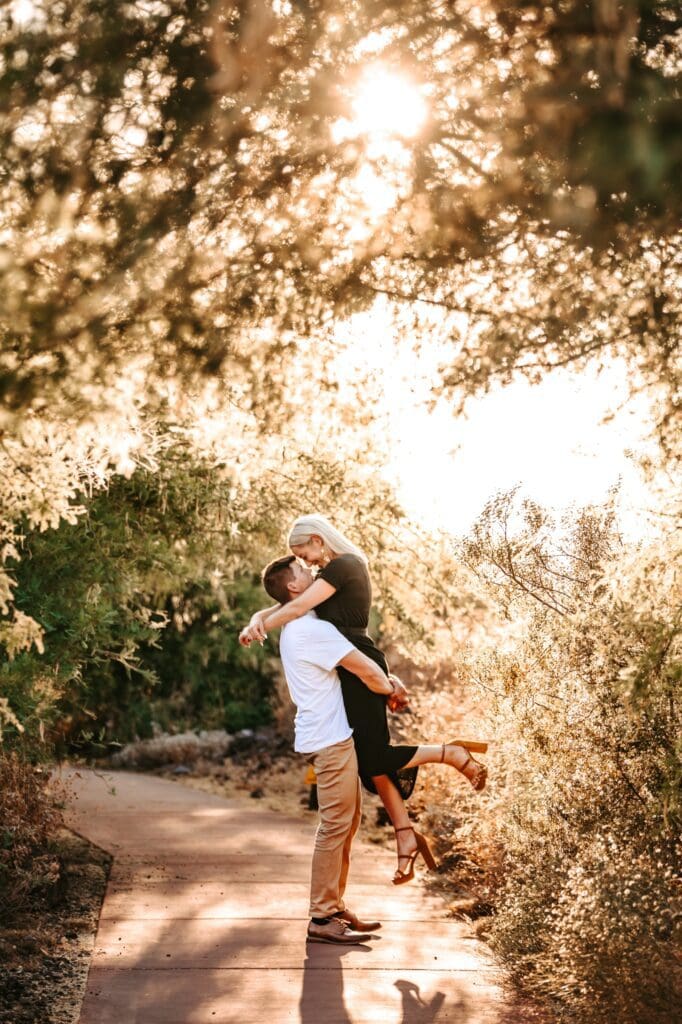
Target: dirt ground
x,y
45,954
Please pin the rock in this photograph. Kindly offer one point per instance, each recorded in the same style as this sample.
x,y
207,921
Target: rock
x,y
243,740
256,794
266,738
182,769
180,749
471,907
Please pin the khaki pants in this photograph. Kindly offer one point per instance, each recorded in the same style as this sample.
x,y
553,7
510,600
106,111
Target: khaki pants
x,y
339,797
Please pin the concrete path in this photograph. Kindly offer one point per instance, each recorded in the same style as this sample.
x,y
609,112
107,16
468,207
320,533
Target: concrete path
x,y
205,914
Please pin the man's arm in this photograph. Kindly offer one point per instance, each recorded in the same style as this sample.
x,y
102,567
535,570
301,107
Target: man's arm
x,y
368,671
322,644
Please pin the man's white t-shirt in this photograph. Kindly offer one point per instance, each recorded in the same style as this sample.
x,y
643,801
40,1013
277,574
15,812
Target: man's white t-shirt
x,y
310,650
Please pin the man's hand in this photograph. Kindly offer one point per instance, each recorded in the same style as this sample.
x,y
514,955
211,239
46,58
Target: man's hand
x,y
399,699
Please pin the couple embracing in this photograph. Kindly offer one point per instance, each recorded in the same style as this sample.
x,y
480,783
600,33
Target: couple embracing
x,y
339,681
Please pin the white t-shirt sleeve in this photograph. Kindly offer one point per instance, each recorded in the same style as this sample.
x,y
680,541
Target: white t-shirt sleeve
x,y
321,644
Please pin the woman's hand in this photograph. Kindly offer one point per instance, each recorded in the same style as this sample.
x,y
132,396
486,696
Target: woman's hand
x,y
246,638
399,699
254,631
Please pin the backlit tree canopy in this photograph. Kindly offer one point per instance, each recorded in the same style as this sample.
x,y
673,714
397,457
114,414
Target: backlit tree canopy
x,y
202,185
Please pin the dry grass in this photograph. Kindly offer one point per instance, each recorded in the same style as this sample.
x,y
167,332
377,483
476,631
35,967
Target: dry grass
x,y
28,818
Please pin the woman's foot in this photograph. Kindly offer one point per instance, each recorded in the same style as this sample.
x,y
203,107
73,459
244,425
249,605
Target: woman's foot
x,y
406,843
412,846
461,759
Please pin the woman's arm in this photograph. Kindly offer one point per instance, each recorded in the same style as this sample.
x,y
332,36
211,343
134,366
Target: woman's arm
x,y
255,630
266,611
262,612
316,593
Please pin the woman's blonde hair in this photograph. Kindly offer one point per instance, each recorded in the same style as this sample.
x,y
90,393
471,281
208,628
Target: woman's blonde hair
x,y
305,526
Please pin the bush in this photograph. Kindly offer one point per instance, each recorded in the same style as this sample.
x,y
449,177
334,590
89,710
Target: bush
x,y
204,676
28,817
585,699
140,619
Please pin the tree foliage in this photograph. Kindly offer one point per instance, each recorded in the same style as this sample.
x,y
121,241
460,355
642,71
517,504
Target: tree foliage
x,y
139,601
182,182
185,196
116,593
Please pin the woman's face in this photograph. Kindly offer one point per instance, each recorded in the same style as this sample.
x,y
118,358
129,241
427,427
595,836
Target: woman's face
x,y
312,552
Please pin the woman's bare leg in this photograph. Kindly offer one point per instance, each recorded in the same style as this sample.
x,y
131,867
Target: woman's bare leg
x,y
392,800
431,753
456,756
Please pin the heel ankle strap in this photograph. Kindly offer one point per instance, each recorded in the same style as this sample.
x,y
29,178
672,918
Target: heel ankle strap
x,y
407,828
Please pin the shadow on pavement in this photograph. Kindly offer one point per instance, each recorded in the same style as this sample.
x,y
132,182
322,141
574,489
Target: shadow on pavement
x,y
322,993
415,1009
322,990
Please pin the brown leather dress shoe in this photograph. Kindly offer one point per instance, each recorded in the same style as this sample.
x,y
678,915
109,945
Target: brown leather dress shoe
x,y
354,921
334,931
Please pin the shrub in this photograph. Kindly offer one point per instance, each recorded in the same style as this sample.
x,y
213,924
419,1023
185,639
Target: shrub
x,y
139,621
28,817
584,696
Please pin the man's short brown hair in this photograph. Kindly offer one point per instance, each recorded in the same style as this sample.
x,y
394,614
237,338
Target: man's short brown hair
x,y
275,577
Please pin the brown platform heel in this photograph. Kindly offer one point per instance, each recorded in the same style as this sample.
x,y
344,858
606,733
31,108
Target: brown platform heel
x,y
480,776
473,746
423,848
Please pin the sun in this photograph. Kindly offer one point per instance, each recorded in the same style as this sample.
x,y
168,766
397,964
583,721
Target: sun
x,y
24,12
384,104
388,103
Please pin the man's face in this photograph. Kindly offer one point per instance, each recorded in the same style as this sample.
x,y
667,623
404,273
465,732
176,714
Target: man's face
x,y
302,579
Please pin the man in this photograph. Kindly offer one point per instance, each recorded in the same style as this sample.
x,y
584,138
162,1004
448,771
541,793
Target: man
x,y
310,650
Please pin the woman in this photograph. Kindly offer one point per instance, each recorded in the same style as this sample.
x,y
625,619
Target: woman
x,y
342,595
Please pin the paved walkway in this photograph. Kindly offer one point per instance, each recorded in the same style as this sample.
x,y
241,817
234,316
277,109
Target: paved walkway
x,y
205,912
